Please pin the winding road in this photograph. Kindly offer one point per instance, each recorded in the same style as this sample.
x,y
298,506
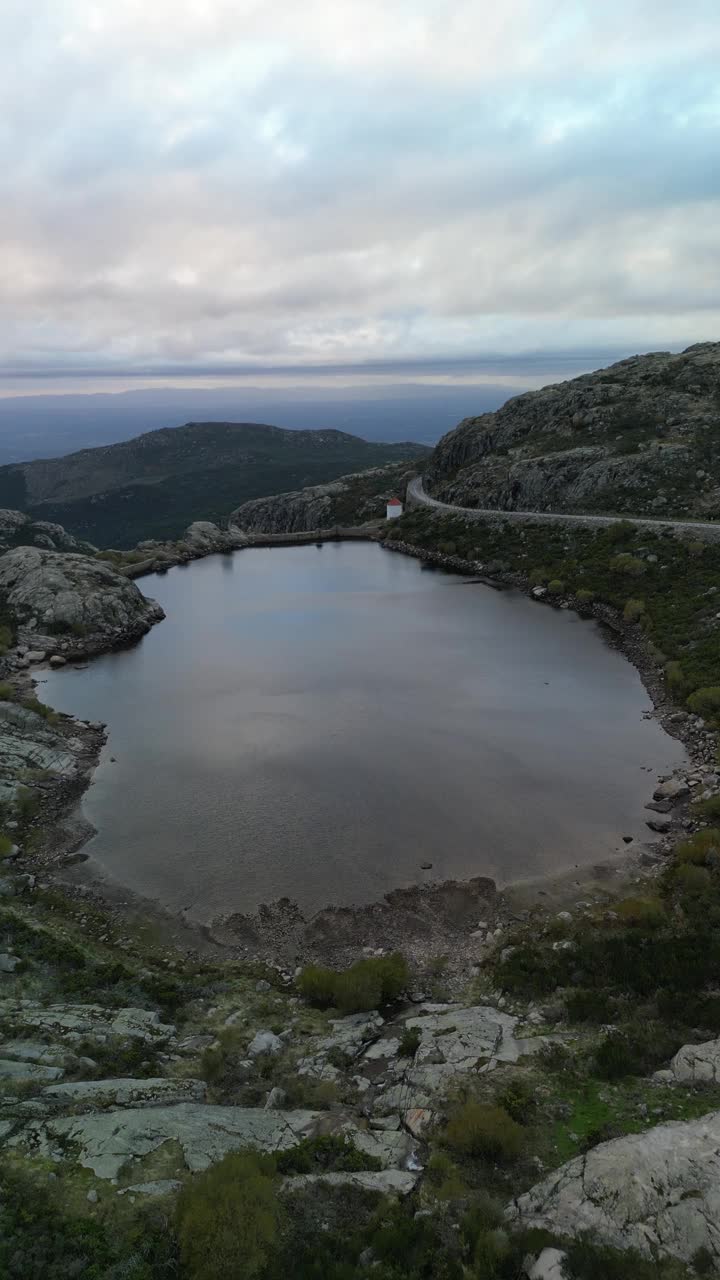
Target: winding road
x,y
416,496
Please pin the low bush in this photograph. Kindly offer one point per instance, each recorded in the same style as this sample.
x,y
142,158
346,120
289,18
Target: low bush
x,y
675,678
6,639
6,845
555,587
583,596
590,1006
364,986
7,693
41,709
480,1129
698,846
635,1052
625,563
647,913
228,1219
409,1042
634,610
709,808
518,1099
444,1177
587,1260
330,1153
705,702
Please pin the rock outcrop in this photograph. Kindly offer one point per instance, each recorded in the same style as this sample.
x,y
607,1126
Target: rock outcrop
x,y
657,1192
20,530
72,603
351,500
28,742
637,437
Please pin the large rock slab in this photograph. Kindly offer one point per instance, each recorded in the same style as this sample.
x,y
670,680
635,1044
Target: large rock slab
x,y
697,1063
85,600
657,1192
465,1038
151,1092
73,1022
28,1072
386,1181
107,1141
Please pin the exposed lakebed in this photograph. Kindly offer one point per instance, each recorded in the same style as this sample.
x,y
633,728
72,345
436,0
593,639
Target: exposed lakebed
x,y
317,722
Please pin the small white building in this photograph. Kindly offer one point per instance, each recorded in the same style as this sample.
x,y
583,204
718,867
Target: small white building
x,y
394,509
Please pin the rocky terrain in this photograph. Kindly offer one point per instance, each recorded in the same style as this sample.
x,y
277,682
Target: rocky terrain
x,y
640,437
66,604
530,1091
158,483
19,530
350,500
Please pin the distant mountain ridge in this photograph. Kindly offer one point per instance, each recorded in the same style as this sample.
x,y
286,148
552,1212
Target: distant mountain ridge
x,y
156,484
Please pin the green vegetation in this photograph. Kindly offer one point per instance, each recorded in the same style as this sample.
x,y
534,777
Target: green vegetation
x,y
228,1219
409,1042
678,605
333,1153
41,1240
482,1130
364,986
164,480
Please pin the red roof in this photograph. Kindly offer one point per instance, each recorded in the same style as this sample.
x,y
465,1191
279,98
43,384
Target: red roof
x,y
394,502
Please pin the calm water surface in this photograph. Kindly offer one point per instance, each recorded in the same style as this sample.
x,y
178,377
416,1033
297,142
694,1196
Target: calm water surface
x,y
318,722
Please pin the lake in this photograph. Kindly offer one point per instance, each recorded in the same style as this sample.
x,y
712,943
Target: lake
x,y
317,722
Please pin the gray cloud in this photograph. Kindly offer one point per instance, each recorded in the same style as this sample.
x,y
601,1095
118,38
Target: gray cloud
x,y
208,187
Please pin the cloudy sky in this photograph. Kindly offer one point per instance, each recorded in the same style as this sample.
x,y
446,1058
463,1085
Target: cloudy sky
x,y
210,185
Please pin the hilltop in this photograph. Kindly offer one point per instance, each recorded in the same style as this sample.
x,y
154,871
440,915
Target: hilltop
x,y
640,437
158,483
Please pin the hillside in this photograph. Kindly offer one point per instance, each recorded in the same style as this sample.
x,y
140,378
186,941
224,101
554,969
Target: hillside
x,y
158,483
349,500
640,437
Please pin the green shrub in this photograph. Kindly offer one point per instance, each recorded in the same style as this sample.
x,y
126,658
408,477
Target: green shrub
x,y
646,912
518,1099
7,693
41,709
6,845
709,808
480,1129
690,878
705,702
409,1042
444,1177
6,639
630,565
583,596
330,1153
675,678
27,803
636,1052
590,1006
588,1260
447,548
538,577
634,610
228,1219
364,986
698,846
556,587
317,985
622,531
